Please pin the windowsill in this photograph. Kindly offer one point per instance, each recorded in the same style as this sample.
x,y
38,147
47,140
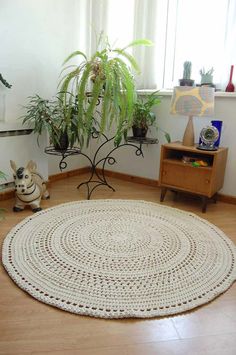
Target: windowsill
x,y
168,92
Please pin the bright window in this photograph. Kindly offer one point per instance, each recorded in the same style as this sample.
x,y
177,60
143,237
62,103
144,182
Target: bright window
x,y
200,31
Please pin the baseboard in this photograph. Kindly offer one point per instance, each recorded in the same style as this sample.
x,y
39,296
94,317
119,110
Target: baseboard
x,y
66,174
5,195
132,178
227,199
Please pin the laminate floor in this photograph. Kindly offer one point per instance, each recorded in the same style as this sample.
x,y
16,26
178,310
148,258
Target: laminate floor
x,y
30,327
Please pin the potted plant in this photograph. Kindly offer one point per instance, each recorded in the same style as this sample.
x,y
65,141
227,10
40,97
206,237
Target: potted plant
x,y
186,80
143,117
106,77
55,118
206,77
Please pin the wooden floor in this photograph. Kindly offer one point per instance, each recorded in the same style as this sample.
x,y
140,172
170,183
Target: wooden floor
x,y
30,327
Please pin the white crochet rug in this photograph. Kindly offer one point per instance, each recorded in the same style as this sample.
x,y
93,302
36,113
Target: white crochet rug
x,y
119,258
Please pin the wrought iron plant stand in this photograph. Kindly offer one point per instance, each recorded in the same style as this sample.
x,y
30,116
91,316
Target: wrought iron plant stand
x,y
97,174
98,165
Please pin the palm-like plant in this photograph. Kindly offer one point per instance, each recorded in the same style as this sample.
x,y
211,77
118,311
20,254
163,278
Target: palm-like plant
x,y
106,76
54,117
143,117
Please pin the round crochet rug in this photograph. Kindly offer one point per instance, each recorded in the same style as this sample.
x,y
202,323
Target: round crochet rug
x,y
119,258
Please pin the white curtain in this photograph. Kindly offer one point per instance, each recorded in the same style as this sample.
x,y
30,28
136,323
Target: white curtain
x,y
202,31
124,21
146,56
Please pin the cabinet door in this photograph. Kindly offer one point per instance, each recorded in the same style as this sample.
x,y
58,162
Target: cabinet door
x,y
188,178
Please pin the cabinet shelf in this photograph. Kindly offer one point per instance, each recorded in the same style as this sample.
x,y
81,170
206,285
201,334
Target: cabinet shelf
x,y
181,163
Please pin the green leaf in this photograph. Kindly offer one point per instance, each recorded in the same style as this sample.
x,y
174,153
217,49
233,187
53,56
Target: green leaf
x,y
67,67
81,91
167,137
74,54
139,42
117,139
93,102
130,58
125,133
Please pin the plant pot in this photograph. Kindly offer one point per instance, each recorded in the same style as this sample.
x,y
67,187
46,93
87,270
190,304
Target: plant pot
x,y
206,79
139,132
63,143
186,82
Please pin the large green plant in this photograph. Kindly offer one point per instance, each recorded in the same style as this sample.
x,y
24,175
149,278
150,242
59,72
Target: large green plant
x,y
108,76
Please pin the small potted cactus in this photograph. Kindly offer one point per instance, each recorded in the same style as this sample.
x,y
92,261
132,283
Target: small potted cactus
x,y
206,77
186,81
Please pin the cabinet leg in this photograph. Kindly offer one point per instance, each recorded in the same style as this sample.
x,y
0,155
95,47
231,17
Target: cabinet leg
x,y
214,198
163,193
204,204
176,195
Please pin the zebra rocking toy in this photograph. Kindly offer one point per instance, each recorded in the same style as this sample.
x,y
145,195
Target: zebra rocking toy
x,y
30,187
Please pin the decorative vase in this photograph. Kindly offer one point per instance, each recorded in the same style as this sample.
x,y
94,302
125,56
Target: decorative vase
x,y
230,86
218,125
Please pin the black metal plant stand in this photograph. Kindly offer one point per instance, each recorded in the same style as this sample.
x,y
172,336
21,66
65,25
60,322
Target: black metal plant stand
x,y
64,154
97,175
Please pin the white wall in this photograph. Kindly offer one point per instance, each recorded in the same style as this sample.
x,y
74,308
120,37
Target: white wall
x,y
225,109
35,38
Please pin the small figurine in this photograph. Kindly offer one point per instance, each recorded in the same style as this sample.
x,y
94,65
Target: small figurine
x,y
30,187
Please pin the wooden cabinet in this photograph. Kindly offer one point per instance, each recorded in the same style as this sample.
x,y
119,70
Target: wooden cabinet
x,y
178,175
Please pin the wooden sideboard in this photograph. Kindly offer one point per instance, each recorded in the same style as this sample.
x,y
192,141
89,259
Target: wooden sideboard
x,y
177,175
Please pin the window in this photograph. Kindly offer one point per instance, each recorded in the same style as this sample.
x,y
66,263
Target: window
x,y
200,31
196,32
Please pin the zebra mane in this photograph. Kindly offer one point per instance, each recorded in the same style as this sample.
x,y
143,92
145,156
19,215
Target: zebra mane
x,y
19,173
